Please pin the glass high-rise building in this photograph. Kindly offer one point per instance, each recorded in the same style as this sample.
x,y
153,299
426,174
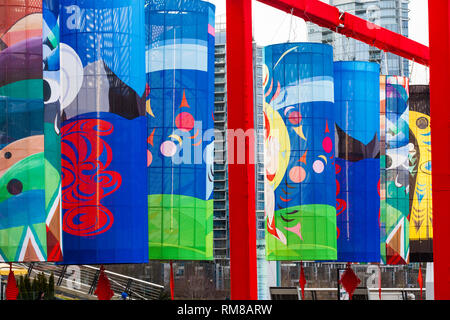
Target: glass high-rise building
x,y
389,14
221,226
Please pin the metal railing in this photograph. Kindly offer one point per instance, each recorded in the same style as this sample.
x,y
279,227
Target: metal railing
x,y
81,281
294,293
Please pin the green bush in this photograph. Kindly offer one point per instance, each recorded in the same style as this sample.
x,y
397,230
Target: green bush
x,y
51,288
30,290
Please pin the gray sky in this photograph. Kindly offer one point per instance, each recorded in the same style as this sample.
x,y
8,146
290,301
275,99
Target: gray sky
x,y
272,26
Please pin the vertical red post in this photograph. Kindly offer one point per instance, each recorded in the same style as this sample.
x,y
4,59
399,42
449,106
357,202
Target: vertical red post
x,y
172,285
241,176
440,136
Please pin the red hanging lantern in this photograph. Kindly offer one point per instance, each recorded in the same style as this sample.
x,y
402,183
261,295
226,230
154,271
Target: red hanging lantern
x,y
11,288
103,290
379,281
420,281
171,280
302,280
349,281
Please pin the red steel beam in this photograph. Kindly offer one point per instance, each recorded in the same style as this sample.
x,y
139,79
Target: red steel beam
x,y
241,176
439,31
383,39
347,24
240,116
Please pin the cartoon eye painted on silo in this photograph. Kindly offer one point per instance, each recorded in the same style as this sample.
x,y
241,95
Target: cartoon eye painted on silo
x,y
7,155
422,123
395,160
14,186
51,91
426,167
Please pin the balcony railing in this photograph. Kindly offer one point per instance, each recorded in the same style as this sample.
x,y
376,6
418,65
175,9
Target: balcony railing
x,y
81,280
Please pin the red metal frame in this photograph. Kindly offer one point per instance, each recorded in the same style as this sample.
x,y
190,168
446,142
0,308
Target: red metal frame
x,y
330,17
384,39
241,177
240,115
439,12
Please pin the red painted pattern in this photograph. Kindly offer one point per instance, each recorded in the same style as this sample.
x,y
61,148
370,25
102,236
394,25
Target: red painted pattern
x,y
341,204
85,178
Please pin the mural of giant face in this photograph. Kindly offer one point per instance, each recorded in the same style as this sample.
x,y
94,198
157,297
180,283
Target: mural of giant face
x,y
29,163
421,202
357,110
420,154
103,131
299,157
29,178
395,170
180,118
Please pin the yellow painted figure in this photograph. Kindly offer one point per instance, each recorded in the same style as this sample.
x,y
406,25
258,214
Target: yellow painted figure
x,y
421,206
